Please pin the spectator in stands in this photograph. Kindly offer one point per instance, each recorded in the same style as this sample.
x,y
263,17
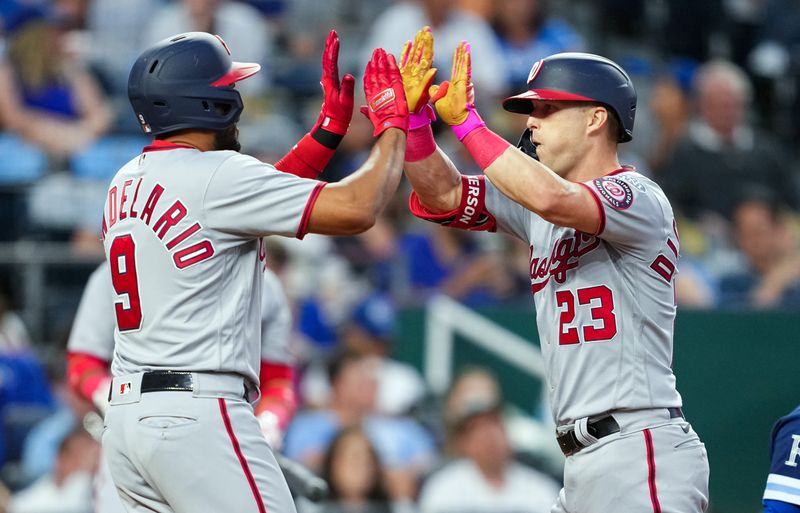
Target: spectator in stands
x,y
370,333
723,154
670,106
240,25
483,477
13,334
770,277
46,98
405,448
463,265
450,25
355,475
68,489
527,33
775,62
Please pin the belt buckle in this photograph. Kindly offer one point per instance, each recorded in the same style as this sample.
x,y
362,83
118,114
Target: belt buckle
x,y
569,443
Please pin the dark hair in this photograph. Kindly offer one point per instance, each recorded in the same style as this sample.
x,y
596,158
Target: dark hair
x,y
339,361
377,493
534,22
764,197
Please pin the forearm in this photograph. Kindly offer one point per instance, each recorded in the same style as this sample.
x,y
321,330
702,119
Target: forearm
x,y
351,206
86,374
311,154
531,184
277,392
436,181
377,179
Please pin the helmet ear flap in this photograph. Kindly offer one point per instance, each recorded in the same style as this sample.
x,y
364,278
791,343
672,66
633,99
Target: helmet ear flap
x,y
526,145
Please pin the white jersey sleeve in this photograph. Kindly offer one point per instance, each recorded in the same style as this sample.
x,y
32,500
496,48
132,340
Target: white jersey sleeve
x,y
276,322
245,196
511,217
93,327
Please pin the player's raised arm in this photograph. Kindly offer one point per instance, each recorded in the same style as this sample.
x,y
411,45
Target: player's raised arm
x,y
312,153
352,205
517,175
436,181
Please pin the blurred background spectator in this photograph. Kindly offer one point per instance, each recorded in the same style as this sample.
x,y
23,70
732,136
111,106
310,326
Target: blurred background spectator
x,y
450,24
68,488
404,446
482,476
723,154
769,275
354,475
527,33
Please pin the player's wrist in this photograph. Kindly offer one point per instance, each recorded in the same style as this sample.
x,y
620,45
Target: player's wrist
x,y
100,395
484,145
420,143
331,125
472,122
327,138
422,118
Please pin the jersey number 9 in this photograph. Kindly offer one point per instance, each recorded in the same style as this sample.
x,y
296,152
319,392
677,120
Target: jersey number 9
x,y
122,259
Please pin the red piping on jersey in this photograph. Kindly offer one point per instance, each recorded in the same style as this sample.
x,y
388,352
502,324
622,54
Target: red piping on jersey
x,y
223,409
600,207
623,169
161,145
672,247
302,229
651,471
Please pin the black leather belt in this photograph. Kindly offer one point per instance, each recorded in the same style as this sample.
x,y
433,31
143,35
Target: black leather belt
x,y
167,381
599,428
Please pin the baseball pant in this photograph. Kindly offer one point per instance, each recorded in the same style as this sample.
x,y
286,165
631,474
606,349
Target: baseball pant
x,y
185,452
651,466
106,498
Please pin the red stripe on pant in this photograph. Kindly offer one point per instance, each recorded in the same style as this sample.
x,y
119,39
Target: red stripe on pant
x,y
651,471
223,409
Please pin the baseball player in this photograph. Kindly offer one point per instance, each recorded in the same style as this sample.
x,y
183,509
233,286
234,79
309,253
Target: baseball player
x,y
603,252
183,229
782,494
91,348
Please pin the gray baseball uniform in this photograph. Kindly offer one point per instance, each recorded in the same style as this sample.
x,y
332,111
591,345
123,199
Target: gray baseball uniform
x,y
605,309
93,333
182,231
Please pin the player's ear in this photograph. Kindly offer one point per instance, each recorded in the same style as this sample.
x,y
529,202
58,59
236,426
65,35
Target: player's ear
x,y
597,119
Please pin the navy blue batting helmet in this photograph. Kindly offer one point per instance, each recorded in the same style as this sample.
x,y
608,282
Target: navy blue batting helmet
x,y
581,77
186,81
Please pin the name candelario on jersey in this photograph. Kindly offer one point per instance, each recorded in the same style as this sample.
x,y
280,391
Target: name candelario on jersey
x,y
564,256
122,205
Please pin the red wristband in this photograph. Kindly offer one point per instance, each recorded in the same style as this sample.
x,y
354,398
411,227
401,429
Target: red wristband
x,y
85,373
420,143
485,146
306,159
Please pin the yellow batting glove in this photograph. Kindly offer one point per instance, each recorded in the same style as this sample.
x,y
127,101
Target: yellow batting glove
x,y
415,68
454,99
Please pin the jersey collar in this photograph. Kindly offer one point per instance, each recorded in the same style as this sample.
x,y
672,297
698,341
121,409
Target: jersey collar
x,y
623,169
161,145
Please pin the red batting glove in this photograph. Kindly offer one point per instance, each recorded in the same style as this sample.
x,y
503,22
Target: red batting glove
x,y
386,100
337,106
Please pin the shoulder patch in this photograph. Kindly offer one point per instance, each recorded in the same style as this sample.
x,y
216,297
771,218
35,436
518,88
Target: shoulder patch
x,y
615,191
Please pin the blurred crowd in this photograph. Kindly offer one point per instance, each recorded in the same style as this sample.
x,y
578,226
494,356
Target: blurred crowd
x,y
718,116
